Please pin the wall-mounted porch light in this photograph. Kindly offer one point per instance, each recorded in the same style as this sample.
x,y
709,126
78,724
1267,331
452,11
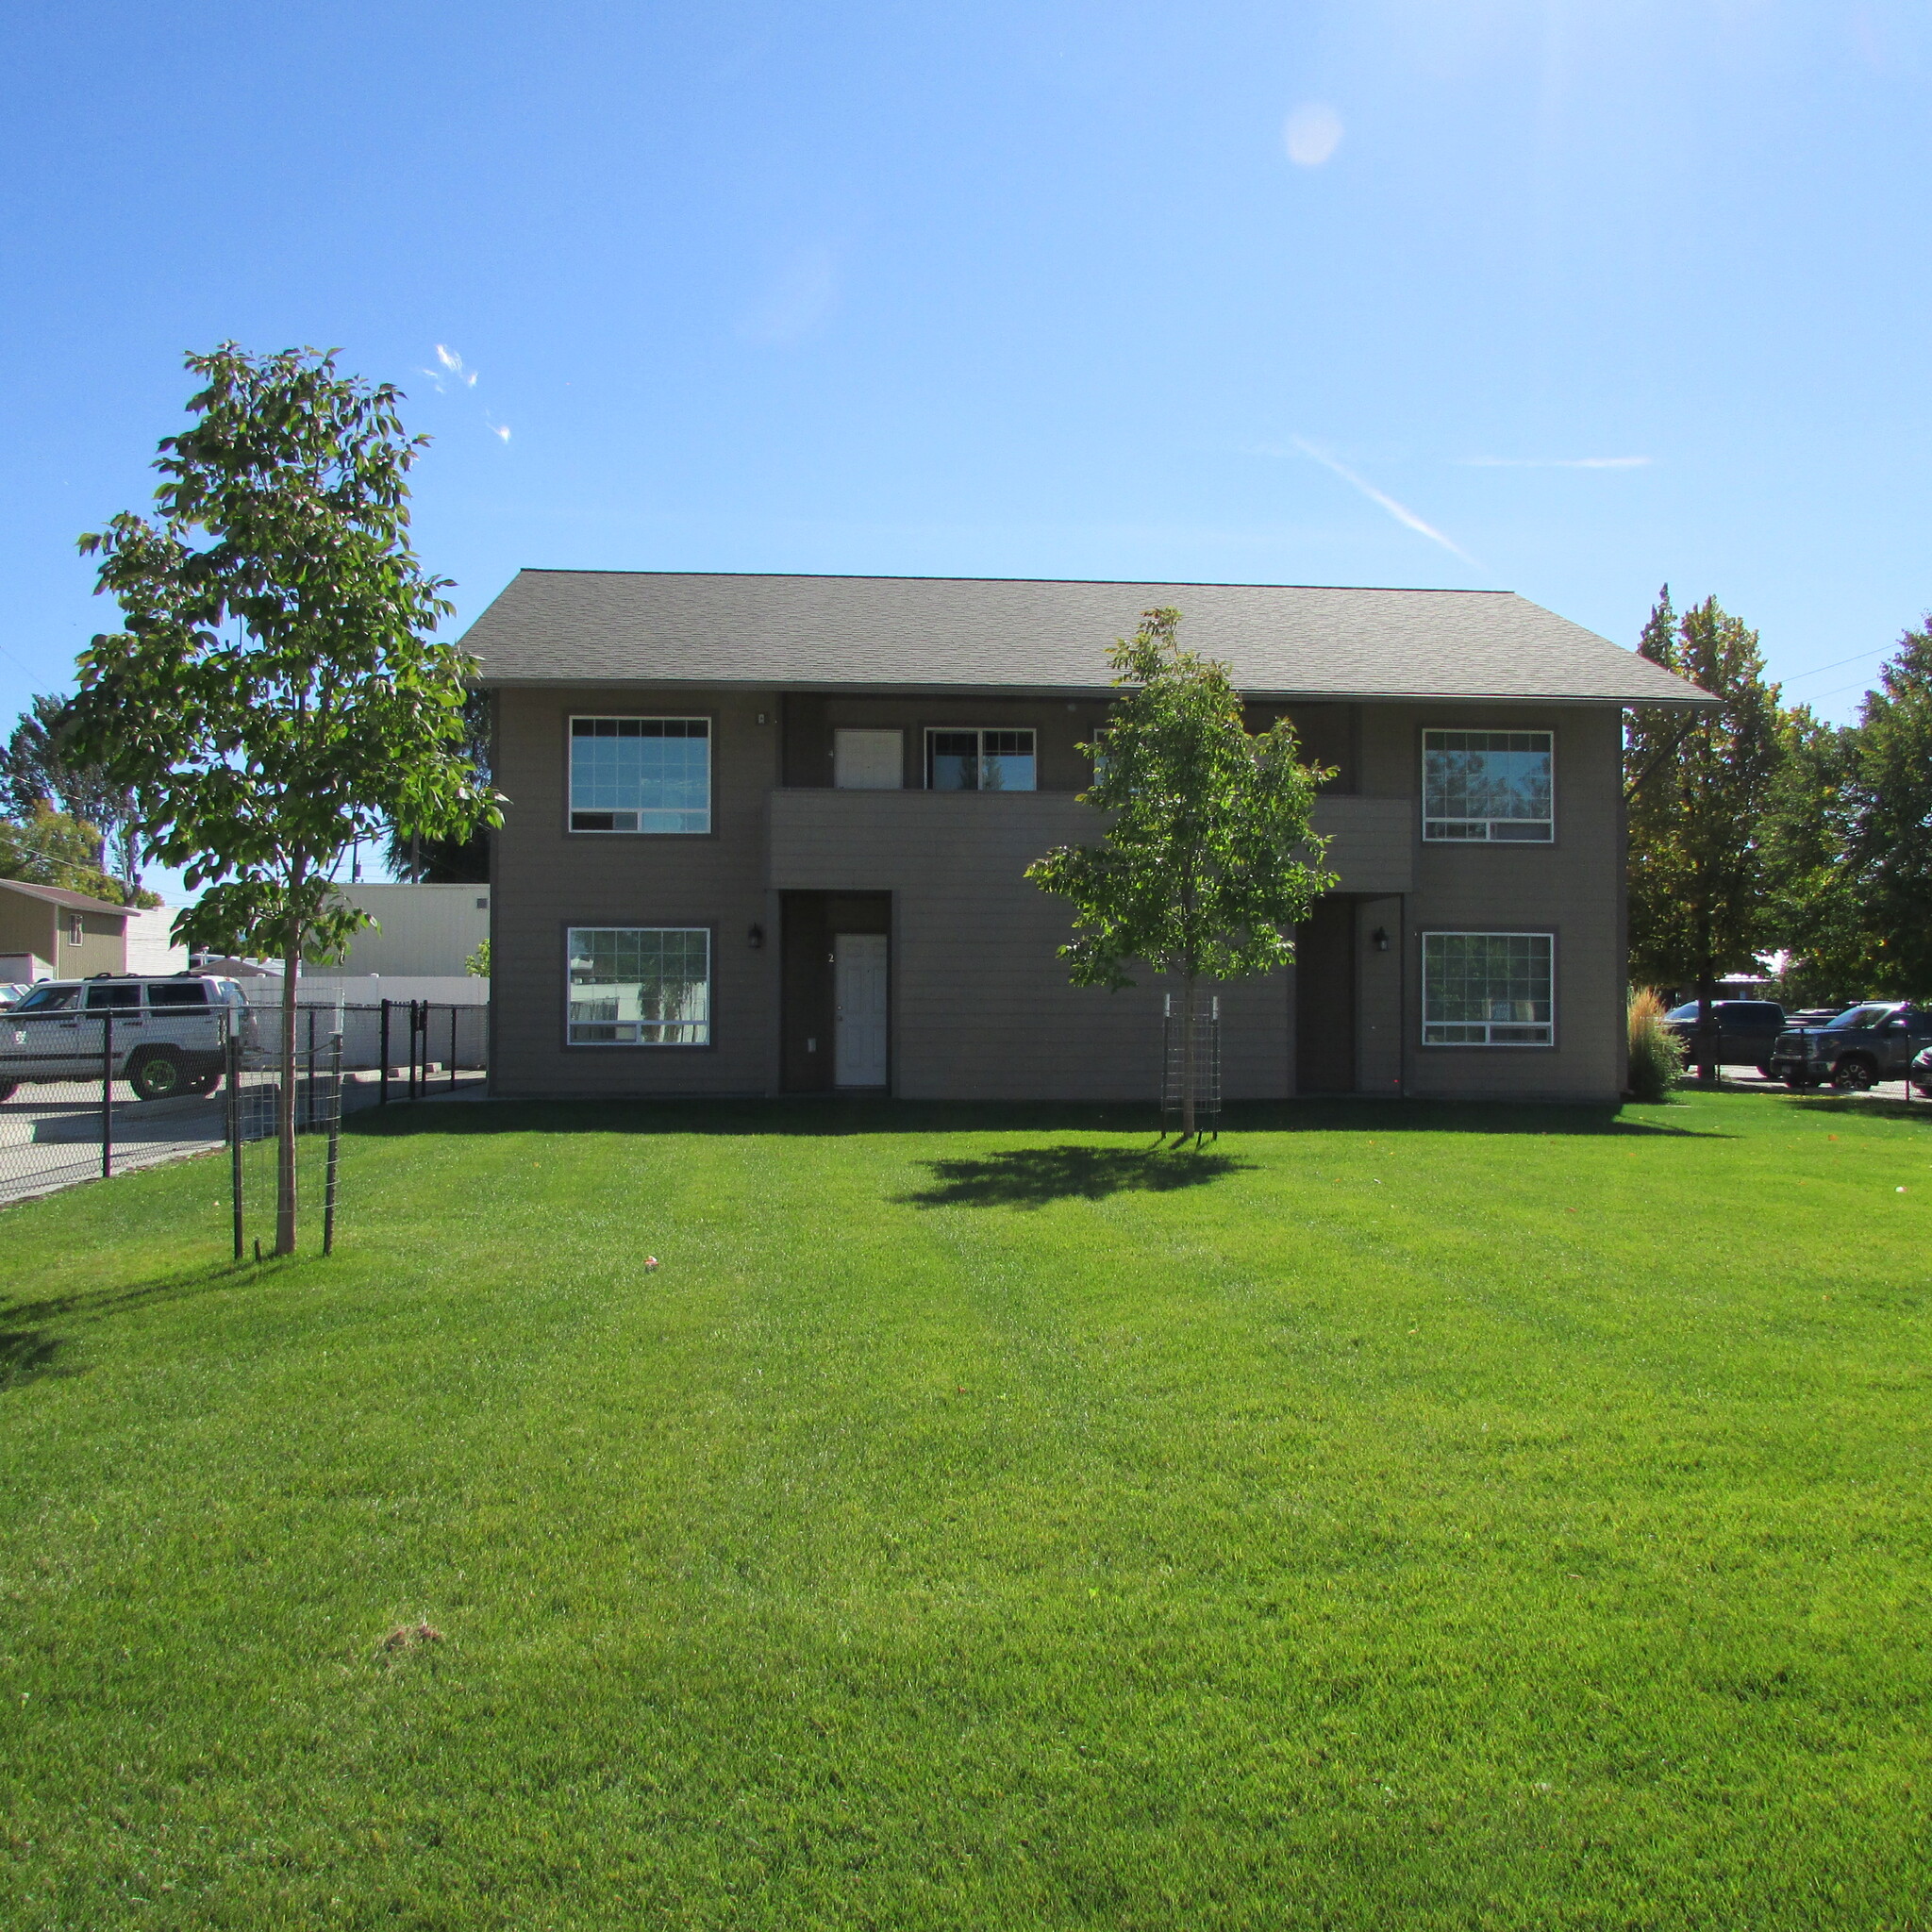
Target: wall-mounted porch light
x,y
754,939
1379,939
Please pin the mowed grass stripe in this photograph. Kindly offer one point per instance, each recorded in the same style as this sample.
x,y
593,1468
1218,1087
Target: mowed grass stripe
x,y
980,1519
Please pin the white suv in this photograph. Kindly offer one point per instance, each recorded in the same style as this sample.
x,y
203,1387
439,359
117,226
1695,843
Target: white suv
x,y
170,1035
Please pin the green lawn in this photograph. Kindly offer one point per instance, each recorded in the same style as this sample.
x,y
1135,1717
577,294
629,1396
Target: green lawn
x,y
1395,1517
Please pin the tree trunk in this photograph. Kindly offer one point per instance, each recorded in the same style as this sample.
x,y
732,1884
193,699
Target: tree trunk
x,y
285,1108
1187,1056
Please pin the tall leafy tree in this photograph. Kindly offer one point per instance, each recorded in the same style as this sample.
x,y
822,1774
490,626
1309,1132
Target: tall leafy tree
x,y
1889,857
451,861
1201,872
39,766
277,691
1810,821
1697,788
45,847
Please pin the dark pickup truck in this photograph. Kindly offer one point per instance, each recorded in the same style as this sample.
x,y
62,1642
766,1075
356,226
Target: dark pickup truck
x,y
1873,1042
1745,1030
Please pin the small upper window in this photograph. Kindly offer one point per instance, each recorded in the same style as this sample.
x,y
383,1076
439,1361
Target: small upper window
x,y
639,774
978,760
101,995
1488,784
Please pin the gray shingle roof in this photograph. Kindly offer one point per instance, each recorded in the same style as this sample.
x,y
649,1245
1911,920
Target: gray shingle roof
x,y
59,895
981,634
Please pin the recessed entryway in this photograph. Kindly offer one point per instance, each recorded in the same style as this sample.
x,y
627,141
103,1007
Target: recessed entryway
x,y
836,963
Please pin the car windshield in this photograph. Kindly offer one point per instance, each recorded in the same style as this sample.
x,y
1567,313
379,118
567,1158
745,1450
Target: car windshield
x,y
48,999
1856,1016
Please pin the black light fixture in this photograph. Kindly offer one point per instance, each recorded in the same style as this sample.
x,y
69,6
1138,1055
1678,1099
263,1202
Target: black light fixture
x,y
1379,939
754,939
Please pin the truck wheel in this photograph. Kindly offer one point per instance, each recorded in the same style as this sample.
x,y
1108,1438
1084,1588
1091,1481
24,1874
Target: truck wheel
x,y
159,1076
9,1088
204,1084
1853,1074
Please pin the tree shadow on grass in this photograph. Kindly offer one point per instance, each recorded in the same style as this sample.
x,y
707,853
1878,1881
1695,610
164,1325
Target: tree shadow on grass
x,y
27,1354
1034,1176
89,1303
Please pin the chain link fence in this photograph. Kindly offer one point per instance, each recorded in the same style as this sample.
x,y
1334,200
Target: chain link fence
x,y
88,1095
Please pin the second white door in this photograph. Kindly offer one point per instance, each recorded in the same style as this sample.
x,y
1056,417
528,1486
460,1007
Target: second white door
x,y
858,986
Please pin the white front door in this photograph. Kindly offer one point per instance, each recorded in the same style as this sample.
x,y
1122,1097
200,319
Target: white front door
x,y
859,986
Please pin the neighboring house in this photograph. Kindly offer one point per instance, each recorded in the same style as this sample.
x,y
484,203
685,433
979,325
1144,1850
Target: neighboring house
x,y
425,930
151,943
767,834
47,932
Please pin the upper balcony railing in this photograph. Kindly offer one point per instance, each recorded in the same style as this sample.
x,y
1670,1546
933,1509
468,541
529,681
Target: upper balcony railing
x,y
827,841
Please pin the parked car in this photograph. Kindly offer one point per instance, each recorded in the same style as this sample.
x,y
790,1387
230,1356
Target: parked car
x,y
169,1035
1747,1030
1873,1040
1920,1073
11,992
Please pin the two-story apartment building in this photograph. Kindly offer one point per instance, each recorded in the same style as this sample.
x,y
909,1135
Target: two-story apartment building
x,y
768,835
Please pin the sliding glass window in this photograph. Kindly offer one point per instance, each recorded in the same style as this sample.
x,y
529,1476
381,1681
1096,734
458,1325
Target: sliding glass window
x,y
978,760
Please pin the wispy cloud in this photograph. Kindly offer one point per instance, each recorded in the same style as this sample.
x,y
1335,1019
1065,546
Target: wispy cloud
x,y
1400,511
804,291
1311,134
451,371
453,376
1554,463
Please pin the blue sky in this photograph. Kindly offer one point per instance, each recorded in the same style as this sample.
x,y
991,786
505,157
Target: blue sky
x,y
1567,298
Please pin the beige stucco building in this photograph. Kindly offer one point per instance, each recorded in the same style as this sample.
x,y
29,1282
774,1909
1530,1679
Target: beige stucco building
x,y
768,835
47,932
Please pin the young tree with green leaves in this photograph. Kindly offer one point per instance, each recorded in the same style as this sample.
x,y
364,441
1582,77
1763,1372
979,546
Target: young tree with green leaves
x,y
277,691
1697,788
1202,873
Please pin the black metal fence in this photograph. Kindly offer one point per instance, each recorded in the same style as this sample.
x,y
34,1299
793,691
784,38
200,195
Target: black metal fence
x,y
88,1095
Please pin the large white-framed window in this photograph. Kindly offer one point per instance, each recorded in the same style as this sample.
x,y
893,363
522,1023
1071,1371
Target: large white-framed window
x,y
1491,785
640,774
1489,989
639,986
972,758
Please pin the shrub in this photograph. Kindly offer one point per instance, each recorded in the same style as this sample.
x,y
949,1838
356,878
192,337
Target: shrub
x,y
1657,1054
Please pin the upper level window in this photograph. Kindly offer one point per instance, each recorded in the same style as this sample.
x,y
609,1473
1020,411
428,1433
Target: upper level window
x,y
639,774
975,761
1488,784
